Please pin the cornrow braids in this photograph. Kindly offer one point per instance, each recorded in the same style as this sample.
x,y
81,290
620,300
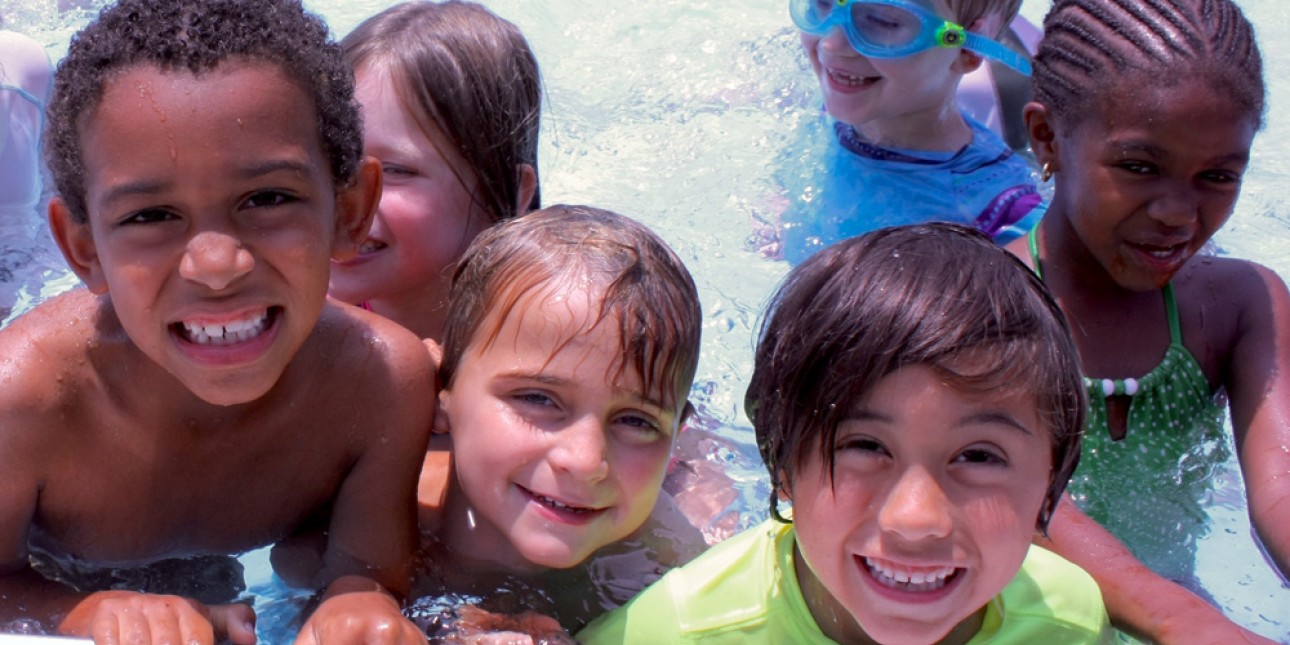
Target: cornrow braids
x,y
1087,40
196,36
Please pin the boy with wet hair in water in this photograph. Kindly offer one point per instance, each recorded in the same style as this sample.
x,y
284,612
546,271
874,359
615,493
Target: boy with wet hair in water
x,y
201,396
921,440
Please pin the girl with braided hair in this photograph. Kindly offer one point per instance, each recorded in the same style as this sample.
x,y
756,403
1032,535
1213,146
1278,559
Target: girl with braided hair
x,y
1143,116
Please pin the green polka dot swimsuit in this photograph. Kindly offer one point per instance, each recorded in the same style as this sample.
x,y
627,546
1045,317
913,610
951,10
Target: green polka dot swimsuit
x,y
1150,487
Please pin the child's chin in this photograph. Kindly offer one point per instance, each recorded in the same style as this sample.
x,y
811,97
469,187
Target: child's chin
x,y
229,392
558,558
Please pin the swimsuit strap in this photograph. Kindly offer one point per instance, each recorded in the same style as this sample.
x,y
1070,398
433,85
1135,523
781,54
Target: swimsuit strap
x,y
1032,240
1171,310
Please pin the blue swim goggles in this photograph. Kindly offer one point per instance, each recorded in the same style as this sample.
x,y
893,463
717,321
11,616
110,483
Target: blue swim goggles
x,y
895,28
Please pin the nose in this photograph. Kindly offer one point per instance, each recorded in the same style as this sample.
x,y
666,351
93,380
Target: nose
x,y
916,508
215,259
581,451
1176,206
835,42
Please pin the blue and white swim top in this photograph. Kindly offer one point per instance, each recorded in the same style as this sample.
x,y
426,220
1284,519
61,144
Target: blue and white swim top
x,y
24,86
852,186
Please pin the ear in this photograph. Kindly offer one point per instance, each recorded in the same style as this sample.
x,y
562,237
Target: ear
x,y
355,207
76,241
967,62
989,26
442,424
528,186
1043,136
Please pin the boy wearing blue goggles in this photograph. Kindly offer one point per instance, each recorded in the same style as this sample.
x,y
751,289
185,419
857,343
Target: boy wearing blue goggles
x,y
899,143
895,28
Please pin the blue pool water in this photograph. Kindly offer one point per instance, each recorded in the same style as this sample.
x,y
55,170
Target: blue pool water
x,y
677,113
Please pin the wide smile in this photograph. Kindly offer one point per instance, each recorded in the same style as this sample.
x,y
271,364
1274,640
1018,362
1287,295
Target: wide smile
x,y
847,82
562,511
232,341
232,332
910,583
1162,257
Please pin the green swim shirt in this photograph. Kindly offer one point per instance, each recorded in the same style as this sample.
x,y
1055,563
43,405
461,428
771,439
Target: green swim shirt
x,y
745,590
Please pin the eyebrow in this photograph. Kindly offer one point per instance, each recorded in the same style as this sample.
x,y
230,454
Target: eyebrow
x,y
556,381
249,171
1155,151
987,417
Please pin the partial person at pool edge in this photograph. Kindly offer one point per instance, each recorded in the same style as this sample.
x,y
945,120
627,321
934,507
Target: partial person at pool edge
x,y
451,101
895,147
572,341
1143,116
202,396
921,442
25,76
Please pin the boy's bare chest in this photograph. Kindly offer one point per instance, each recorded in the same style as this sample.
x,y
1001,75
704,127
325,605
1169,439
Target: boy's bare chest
x,y
122,496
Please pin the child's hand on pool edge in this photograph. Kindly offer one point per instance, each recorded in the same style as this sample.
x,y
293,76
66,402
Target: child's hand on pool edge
x,y
128,616
357,610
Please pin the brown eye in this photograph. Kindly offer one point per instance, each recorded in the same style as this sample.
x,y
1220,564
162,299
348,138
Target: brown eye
x,y
148,216
268,199
980,456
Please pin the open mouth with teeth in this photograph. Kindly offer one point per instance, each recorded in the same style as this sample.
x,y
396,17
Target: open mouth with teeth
x,y
910,579
227,333
561,510
1162,252
846,80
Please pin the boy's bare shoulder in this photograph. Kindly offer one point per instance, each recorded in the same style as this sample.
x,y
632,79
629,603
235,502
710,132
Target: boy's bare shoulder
x,y
47,352
374,359
362,337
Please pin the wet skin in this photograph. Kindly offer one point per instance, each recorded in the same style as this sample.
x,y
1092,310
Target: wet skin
x,y
147,417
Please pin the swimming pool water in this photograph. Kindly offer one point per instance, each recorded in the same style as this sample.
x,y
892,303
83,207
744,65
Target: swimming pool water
x,y
676,113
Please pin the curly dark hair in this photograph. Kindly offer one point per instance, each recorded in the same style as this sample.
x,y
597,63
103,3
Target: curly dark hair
x,y
196,35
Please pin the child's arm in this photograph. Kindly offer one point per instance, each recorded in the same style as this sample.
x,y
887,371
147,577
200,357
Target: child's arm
x,y
1139,601
1259,389
109,616
372,536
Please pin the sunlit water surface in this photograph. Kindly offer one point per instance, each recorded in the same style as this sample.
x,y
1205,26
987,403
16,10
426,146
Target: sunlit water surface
x,y
678,113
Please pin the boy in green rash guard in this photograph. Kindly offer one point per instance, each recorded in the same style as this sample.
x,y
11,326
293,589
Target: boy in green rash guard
x,y
921,440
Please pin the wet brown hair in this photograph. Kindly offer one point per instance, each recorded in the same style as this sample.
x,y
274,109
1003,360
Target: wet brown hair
x,y
463,71
933,295
643,287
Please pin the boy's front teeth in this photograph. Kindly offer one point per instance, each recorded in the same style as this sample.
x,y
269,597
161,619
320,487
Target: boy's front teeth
x,y
227,333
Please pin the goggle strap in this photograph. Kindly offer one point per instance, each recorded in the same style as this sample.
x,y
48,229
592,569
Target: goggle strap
x,y
998,51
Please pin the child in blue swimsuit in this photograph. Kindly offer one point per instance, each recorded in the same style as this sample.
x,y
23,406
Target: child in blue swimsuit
x,y
921,441
1145,173
896,148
